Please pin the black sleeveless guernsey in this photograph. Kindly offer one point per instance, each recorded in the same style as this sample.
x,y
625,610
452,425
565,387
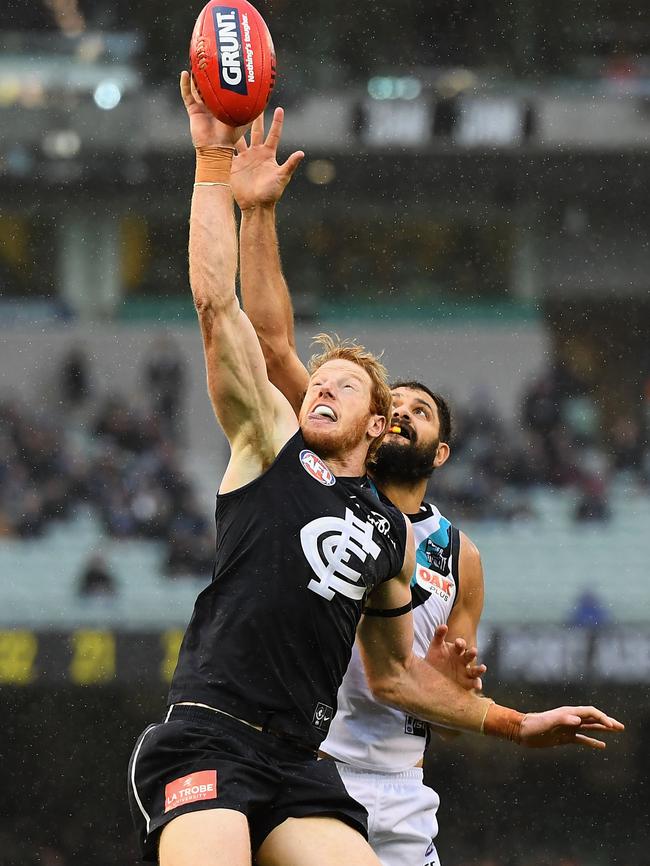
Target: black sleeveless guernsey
x,y
298,550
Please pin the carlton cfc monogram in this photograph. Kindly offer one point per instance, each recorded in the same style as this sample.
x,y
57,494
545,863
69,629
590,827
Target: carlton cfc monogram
x,y
328,543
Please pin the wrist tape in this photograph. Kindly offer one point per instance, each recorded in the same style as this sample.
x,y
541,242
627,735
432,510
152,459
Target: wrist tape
x,y
213,165
502,722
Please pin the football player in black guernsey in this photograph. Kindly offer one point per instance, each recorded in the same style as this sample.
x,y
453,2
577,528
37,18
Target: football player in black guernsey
x,y
305,545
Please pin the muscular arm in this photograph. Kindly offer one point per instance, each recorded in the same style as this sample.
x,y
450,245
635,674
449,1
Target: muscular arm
x,y
258,183
268,304
466,613
254,416
397,676
401,679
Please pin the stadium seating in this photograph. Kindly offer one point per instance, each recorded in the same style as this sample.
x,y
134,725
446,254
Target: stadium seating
x,y
534,570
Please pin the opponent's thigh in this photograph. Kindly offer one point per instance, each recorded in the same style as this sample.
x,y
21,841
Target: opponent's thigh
x,y
315,841
211,837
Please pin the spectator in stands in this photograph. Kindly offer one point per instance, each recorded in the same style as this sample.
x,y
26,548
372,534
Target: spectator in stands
x,y
592,504
542,416
165,379
541,407
35,482
96,579
125,425
74,378
627,443
588,611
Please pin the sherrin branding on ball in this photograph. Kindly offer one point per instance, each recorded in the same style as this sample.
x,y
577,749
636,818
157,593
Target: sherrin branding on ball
x,y
232,60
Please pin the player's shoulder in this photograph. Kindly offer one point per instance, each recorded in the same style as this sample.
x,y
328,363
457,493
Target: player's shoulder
x,y
470,567
468,549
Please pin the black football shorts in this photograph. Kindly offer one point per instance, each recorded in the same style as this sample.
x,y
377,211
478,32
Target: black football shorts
x,y
202,759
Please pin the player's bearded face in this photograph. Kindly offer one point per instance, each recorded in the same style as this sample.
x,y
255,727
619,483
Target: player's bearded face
x,y
405,460
408,453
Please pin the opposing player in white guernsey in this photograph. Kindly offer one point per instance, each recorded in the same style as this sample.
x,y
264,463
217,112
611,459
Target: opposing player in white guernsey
x,y
379,750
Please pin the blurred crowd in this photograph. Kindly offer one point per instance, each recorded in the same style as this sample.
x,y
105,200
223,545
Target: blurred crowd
x,y
116,457
123,460
564,441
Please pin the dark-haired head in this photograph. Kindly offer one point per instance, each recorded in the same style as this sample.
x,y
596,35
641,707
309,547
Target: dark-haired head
x,y
444,411
417,441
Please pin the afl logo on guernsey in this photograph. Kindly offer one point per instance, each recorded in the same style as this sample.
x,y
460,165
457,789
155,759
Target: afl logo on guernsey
x,y
317,469
229,46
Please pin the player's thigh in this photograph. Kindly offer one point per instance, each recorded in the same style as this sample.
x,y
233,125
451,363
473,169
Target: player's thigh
x,y
210,837
315,841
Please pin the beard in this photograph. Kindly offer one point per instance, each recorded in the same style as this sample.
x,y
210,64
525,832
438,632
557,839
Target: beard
x,y
336,442
398,463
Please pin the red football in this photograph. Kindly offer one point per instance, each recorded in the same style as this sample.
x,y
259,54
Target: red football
x,y
232,61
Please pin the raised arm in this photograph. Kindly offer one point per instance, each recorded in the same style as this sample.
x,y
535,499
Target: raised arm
x,y
258,183
255,417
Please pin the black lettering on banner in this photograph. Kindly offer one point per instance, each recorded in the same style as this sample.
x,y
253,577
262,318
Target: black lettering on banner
x,y
230,49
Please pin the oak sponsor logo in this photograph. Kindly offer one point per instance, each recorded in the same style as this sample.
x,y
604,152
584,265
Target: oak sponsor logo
x,y
317,469
190,789
230,49
429,580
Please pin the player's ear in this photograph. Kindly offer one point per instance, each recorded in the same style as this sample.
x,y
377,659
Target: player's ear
x,y
442,454
376,425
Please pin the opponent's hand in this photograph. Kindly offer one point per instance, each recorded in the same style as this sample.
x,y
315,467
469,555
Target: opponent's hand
x,y
256,177
566,726
205,129
455,660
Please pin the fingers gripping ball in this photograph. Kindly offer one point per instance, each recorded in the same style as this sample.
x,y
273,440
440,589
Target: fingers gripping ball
x,y
232,61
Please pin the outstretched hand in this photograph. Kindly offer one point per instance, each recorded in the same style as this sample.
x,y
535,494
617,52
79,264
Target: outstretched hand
x,y
256,177
455,660
566,726
205,129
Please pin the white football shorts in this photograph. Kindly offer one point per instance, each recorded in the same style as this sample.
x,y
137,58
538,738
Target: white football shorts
x,y
401,814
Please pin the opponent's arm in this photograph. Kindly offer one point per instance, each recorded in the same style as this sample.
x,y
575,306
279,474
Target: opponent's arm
x,y
397,676
258,182
466,612
255,417
435,694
